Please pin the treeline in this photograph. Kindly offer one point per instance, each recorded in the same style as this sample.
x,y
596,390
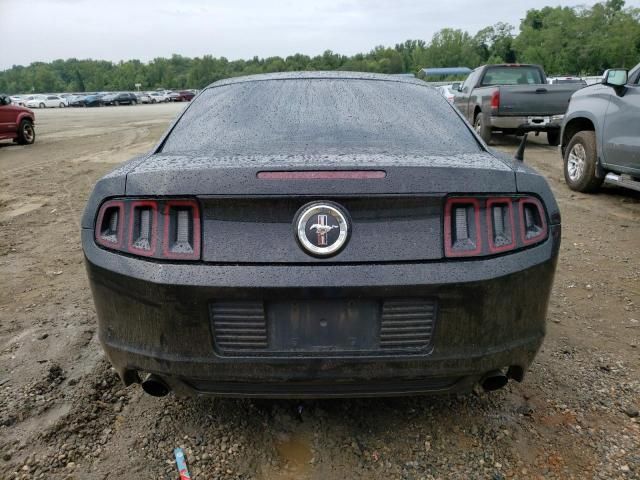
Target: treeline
x,y
564,40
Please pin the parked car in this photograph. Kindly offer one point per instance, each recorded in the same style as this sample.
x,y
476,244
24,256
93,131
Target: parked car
x,y
186,95
46,101
16,122
94,100
158,97
345,252
17,100
447,92
143,97
513,98
557,80
601,131
77,100
123,98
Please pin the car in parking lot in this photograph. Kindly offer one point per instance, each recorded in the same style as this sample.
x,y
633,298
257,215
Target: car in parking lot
x,y
601,133
17,100
447,92
513,99
158,97
16,122
93,100
182,96
575,80
46,101
122,98
321,234
143,97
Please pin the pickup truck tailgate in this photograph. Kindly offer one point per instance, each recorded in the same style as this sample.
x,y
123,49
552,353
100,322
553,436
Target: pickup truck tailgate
x,y
535,99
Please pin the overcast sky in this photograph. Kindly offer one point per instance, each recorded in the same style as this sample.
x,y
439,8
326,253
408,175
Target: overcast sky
x,y
44,30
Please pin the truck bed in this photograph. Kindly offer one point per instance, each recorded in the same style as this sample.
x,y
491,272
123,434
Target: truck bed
x,y
533,100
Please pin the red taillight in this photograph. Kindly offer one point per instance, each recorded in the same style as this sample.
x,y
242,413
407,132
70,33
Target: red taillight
x,y
487,225
462,227
181,239
495,100
143,226
500,224
162,229
110,225
533,225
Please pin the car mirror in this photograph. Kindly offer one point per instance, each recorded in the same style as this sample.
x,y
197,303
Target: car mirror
x,y
615,77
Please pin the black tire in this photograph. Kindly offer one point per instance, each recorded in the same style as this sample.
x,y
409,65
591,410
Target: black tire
x,y
62,105
42,105
134,102
553,137
581,161
26,132
116,103
482,127
153,100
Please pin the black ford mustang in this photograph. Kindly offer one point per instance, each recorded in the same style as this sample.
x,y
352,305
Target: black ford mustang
x,y
321,234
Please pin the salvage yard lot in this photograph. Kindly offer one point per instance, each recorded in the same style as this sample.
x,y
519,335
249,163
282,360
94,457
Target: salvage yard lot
x,y
63,413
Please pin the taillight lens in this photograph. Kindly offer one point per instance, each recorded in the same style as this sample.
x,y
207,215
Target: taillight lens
x,y
478,226
110,225
495,100
163,229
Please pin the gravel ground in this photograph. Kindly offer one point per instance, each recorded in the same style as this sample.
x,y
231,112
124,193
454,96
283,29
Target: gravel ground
x,y
64,414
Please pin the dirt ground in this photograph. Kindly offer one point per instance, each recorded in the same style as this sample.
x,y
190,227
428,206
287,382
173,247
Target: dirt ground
x,y
63,413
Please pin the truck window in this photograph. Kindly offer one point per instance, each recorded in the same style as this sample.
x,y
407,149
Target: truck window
x,y
470,81
512,76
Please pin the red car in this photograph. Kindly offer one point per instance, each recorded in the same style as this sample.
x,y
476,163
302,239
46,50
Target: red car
x,y
16,123
182,96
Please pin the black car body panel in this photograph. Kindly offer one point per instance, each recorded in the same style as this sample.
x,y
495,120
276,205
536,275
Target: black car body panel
x,y
255,314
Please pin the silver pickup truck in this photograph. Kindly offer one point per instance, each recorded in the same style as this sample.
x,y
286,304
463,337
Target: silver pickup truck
x,y
513,98
601,133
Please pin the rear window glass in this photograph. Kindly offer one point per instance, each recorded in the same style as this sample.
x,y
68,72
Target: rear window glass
x,y
512,76
333,116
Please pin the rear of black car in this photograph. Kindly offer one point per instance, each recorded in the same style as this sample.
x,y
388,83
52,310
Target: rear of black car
x,y
201,279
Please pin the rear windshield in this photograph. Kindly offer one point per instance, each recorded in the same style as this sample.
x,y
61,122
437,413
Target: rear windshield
x,y
512,76
301,116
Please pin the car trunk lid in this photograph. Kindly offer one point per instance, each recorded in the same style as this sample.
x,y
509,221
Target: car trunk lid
x,y
248,217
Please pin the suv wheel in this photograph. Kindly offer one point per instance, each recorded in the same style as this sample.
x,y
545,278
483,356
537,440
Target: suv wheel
x,y
26,132
580,161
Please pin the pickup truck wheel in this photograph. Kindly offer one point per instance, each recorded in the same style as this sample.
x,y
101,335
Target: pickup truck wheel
x,y
26,133
580,160
553,137
481,128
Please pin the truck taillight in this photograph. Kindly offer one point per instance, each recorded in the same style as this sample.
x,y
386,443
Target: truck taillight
x,y
162,229
495,100
480,226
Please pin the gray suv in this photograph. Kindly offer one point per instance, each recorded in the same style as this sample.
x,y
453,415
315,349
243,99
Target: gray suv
x,y
601,133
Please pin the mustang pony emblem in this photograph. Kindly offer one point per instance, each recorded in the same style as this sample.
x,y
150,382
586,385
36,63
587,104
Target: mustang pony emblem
x,y
322,229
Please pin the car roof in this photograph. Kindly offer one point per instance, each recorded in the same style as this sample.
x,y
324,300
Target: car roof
x,y
319,75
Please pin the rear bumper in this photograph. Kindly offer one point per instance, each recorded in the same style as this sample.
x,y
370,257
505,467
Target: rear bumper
x,y
156,318
522,123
